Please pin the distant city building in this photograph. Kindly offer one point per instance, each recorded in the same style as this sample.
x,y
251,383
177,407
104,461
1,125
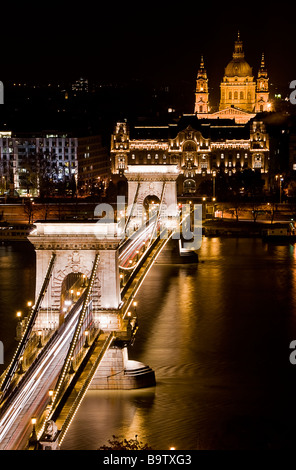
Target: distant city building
x,y
80,85
93,165
27,163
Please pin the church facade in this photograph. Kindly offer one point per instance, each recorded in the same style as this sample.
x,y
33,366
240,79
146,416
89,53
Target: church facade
x,y
241,96
203,144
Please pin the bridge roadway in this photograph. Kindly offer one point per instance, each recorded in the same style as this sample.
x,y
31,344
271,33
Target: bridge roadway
x,y
31,396
129,250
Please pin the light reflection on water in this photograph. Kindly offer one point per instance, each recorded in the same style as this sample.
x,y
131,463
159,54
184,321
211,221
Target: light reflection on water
x,y
17,286
216,334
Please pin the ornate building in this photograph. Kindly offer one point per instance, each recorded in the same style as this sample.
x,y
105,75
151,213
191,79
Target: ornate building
x,y
205,143
200,147
241,96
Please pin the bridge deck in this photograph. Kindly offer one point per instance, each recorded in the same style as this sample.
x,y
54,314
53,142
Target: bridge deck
x,y
99,344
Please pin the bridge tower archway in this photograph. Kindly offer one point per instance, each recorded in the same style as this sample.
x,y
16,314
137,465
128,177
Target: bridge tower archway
x,y
145,181
71,289
151,204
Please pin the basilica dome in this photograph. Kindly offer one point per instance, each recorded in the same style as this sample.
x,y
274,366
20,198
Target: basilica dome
x,y
238,68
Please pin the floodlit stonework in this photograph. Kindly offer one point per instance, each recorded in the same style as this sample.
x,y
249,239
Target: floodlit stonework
x,y
241,95
76,245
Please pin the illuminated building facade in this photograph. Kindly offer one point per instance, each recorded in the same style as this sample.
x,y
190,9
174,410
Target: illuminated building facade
x,y
241,96
200,148
25,160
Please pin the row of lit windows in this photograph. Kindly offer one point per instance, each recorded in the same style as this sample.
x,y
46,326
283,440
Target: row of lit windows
x,y
149,156
237,155
235,95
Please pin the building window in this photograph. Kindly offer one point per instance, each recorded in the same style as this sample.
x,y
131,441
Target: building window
x,y
189,186
189,147
257,161
121,163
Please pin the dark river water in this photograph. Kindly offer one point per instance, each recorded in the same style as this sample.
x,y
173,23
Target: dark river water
x,y
217,336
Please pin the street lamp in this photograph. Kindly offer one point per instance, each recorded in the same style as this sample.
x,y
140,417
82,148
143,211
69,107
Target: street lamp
x,y
214,184
33,438
19,326
86,344
50,394
21,368
34,435
40,339
281,179
71,368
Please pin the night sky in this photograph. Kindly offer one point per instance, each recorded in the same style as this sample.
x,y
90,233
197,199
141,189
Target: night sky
x,y
157,41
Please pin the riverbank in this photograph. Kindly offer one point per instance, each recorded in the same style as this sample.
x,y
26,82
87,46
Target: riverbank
x,y
241,228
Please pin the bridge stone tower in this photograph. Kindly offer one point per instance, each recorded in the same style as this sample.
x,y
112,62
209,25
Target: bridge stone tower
x,y
152,181
75,245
